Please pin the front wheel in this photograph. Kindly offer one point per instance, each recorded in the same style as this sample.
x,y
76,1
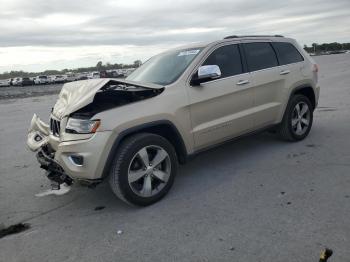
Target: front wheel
x,y
297,119
144,169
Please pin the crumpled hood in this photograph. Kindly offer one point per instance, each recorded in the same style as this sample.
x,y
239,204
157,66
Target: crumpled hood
x,y
76,95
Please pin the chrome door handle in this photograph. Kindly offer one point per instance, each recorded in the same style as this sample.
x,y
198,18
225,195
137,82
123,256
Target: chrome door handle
x,y
284,72
242,82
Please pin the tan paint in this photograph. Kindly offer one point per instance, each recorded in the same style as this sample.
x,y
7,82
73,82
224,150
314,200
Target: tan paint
x,y
204,115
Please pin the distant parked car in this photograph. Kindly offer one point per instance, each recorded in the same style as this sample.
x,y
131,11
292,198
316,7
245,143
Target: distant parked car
x,y
26,81
4,83
94,75
15,81
129,71
41,80
59,79
22,81
51,79
82,76
104,74
71,77
114,73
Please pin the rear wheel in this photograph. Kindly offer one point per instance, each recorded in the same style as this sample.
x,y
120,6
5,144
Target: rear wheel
x,y
144,169
297,119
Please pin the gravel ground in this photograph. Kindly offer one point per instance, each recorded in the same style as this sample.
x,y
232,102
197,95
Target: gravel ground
x,y
28,91
257,199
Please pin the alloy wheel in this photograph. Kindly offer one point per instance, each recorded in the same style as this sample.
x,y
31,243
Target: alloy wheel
x,y
149,171
300,118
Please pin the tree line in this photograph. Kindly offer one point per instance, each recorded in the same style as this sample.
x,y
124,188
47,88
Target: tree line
x,y
98,67
326,47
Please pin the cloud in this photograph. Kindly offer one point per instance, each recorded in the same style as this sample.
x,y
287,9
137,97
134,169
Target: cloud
x,y
150,24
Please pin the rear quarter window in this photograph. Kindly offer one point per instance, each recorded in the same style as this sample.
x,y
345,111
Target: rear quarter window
x,y
287,53
260,56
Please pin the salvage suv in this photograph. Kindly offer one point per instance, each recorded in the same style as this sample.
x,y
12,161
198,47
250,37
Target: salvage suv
x,y
135,131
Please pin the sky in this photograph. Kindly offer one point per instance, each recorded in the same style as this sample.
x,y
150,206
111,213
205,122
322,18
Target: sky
x,y
55,34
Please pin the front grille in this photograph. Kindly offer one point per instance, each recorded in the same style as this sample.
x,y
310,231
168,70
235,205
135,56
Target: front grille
x,y
55,127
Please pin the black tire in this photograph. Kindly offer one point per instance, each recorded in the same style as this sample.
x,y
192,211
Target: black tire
x,y
285,129
118,177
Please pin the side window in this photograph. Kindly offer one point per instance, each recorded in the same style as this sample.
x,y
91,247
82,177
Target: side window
x,y
260,56
228,59
287,53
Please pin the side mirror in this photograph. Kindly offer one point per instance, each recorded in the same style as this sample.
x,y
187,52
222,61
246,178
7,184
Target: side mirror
x,y
206,73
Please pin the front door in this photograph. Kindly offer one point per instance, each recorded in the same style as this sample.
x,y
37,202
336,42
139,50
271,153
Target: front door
x,y
222,108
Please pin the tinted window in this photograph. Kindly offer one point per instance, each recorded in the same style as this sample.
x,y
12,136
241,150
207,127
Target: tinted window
x,y
260,56
228,59
287,53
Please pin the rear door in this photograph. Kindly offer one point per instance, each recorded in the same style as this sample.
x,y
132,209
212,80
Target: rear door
x,y
221,108
291,65
268,82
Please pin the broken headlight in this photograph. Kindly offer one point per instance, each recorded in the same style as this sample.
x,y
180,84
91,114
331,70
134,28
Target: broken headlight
x,y
82,126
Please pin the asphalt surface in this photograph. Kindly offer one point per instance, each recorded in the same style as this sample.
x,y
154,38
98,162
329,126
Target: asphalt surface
x,y
256,199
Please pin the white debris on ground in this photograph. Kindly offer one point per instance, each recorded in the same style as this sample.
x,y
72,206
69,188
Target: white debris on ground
x,y
64,189
119,232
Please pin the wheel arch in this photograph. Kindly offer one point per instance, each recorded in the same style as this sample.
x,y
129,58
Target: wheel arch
x,y
164,128
307,91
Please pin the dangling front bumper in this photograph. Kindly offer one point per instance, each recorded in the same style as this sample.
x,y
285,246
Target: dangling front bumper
x,y
69,156
39,141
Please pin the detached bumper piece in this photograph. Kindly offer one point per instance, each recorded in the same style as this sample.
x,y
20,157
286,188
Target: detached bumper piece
x,y
38,134
54,171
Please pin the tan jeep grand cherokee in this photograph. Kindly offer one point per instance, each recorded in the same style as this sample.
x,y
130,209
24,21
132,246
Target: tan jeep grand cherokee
x,y
178,103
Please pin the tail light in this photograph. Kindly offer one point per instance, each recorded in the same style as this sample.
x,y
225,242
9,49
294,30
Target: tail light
x,y
315,68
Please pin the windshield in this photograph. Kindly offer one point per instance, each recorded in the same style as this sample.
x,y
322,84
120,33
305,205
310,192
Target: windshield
x,y
166,68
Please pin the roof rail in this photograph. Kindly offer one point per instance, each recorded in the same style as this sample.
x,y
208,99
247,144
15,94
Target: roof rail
x,y
231,36
242,36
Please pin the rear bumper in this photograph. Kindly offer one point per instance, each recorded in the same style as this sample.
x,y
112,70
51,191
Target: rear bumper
x,y
60,157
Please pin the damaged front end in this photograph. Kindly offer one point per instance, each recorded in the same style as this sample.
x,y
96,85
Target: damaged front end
x,y
38,141
68,153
